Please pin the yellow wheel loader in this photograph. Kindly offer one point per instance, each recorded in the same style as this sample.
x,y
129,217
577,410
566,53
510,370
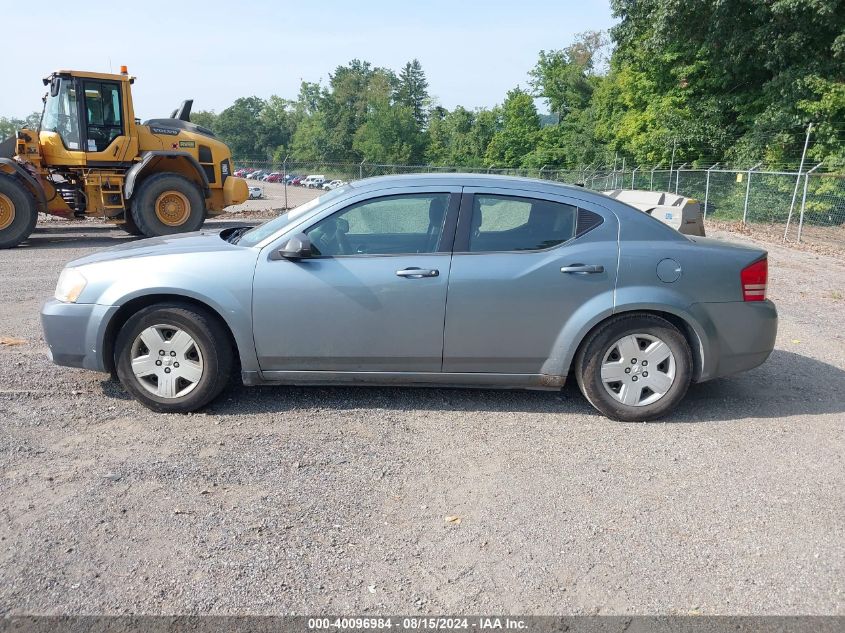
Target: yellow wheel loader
x,y
91,157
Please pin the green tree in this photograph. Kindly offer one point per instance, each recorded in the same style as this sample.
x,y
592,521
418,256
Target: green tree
x,y
412,91
519,132
739,85
240,128
204,118
9,126
390,133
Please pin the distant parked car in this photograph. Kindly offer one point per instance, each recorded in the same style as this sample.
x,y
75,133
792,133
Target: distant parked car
x,y
255,175
545,283
315,181
297,180
255,192
242,172
274,177
290,177
334,184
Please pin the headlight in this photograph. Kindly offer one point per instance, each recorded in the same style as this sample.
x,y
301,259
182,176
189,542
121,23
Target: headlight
x,y
70,286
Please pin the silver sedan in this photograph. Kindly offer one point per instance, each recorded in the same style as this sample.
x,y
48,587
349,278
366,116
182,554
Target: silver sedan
x,y
426,280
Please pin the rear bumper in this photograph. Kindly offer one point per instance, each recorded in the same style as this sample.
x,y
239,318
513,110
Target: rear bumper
x,y
75,333
740,334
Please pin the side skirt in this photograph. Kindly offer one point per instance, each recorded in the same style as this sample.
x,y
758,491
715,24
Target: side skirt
x,y
541,382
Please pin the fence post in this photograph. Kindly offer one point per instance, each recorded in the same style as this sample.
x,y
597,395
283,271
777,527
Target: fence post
x,y
651,180
677,177
540,176
361,169
797,181
748,193
285,179
672,162
633,174
707,189
804,199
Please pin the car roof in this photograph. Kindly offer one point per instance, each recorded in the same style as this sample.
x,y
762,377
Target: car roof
x,y
468,180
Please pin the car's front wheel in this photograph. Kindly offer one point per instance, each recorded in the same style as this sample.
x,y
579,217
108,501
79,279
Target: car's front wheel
x,y
635,367
173,358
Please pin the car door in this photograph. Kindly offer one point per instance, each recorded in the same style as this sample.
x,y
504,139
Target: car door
x,y
373,296
526,266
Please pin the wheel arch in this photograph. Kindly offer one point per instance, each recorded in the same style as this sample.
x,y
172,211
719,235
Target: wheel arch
x,y
692,331
163,162
12,169
135,304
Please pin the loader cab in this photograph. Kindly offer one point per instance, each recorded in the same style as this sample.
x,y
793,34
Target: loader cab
x,y
88,120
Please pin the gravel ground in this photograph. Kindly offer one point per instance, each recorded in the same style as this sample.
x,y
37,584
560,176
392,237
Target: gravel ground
x,y
280,500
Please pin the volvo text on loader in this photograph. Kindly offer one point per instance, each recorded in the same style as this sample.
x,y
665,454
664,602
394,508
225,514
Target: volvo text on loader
x,y
92,158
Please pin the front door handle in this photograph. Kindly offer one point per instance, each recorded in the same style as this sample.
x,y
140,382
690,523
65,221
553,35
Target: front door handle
x,y
582,269
417,273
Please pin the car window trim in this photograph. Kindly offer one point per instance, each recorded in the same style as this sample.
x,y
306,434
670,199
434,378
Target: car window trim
x,y
461,244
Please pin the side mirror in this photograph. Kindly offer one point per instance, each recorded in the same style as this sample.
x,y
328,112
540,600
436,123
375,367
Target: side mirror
x,y
297,247
54,86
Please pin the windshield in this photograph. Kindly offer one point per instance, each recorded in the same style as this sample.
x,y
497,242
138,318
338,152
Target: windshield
x,y
60,114
263,231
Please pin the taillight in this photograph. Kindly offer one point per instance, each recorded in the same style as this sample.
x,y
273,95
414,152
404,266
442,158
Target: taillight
x,y
754,279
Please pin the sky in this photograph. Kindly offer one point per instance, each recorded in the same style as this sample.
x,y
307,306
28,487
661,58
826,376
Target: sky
x,y
472,51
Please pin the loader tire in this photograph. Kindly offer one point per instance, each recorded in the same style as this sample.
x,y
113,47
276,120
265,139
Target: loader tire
x,y
129,225
166,204
18,212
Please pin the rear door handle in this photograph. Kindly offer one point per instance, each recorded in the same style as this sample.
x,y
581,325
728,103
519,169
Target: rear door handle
x,y
418,273
582,269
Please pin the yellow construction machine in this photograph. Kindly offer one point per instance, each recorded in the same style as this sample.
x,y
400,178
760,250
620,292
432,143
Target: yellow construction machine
x,y
91,157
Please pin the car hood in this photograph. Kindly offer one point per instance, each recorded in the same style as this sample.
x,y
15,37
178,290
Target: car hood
x,y
197,242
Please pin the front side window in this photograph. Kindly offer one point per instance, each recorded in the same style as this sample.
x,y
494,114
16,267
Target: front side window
x,y
392,225
510,223
102,112
61,115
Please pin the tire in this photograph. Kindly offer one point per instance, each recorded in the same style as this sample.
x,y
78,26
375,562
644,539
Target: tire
x,y
166,204
18,212
622,348
129,225
190,342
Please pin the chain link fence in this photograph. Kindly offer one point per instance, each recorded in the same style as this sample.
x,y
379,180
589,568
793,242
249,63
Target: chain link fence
x,y
808,206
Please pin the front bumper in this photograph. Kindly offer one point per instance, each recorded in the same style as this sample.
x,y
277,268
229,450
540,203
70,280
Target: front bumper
x,y
75,333
741,335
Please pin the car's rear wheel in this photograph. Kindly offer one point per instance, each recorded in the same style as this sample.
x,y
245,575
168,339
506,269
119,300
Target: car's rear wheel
x,y
635,367
173,358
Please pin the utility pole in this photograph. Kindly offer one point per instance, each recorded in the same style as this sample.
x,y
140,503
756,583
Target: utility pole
x,y
797,180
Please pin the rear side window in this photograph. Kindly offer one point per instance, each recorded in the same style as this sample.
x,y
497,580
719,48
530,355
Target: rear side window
x,y
509,223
